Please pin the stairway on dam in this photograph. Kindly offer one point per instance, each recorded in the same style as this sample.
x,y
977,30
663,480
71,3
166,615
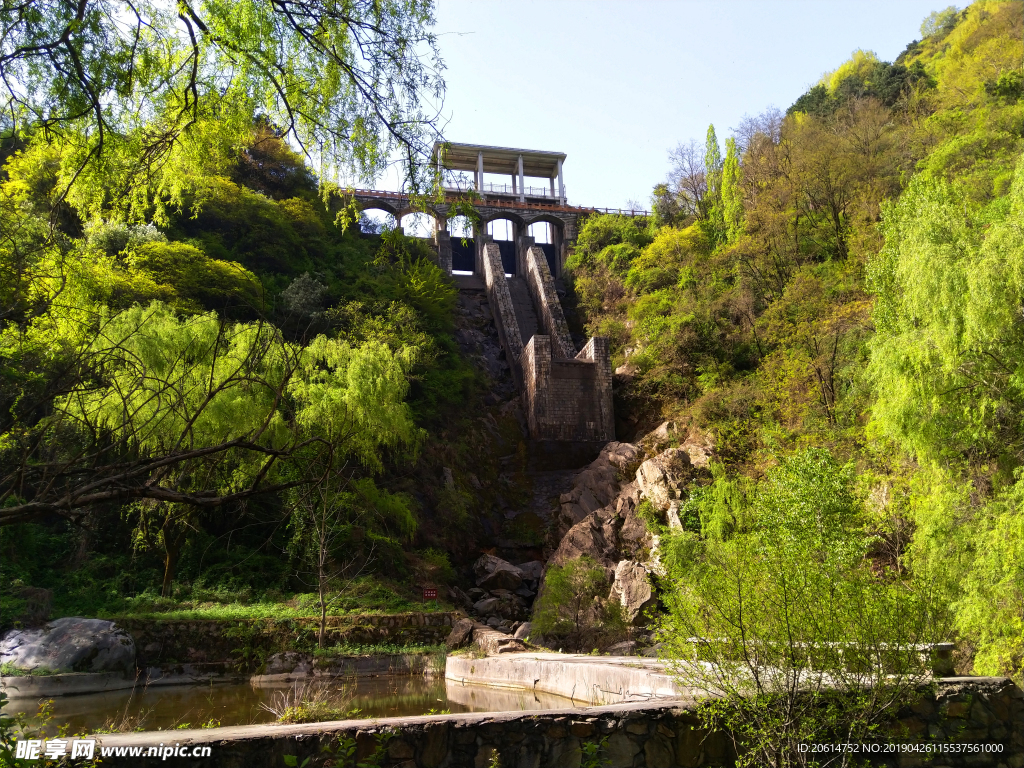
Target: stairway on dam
x,y
522,304
566,392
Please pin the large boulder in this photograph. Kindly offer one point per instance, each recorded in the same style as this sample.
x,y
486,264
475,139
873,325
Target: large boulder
x,y
493,642
70,645
594,487
632,590
494,573
460,633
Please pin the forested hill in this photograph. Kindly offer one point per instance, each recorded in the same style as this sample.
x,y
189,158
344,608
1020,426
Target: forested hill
x,y
183,400
847,284
216,398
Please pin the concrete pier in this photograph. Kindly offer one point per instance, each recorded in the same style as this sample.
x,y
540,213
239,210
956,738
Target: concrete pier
x,y
588,680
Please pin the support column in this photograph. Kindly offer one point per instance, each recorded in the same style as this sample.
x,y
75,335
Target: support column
x,y
552,187
561,184
522,187
480,172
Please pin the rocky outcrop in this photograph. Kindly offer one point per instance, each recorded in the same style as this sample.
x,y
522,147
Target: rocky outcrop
x,y
599,519
70,645
632,590
662,478
595,487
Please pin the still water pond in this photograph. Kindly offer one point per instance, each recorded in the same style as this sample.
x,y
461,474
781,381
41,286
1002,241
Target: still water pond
x,y
168,707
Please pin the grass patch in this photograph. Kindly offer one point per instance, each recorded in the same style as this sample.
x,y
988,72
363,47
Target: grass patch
x,y
9,670
377,649
367,596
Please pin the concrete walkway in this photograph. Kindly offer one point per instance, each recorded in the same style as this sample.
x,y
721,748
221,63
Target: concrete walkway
x,y
582,679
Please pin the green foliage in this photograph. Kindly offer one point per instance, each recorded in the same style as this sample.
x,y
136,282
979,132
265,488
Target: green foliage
x,y
732,193
832,646
592,753
939,22
570,607
948,357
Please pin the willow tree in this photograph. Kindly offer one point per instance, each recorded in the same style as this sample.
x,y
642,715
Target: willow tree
x,y
947,366
137,92
119,110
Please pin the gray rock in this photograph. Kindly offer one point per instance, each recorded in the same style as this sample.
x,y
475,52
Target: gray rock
x,y
492,641
288,662
632,590
625,648
523,631
487,606
476,593
494,573
460,598
494,622
526,592
653,651
661,478
71,644
533,570
460,633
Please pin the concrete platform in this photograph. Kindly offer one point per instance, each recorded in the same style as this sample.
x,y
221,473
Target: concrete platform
x,y
583,679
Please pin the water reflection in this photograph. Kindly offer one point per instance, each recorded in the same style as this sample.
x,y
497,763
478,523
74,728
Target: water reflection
x,y
169,707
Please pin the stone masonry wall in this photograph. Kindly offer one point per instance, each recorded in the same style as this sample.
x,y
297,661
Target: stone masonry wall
x,y
568,399
545,299
161,643
443,243
501,306
961,711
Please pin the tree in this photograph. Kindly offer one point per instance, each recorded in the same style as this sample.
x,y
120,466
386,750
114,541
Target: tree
x,y
137,90
714,221
780,620
948,358
688,178
570,606
202,412
732,192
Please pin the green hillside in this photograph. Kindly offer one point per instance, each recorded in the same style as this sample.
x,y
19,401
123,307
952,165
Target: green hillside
x,y
848,279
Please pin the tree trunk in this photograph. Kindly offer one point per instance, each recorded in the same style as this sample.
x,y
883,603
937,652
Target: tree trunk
x,y
170,561
323,619
172,548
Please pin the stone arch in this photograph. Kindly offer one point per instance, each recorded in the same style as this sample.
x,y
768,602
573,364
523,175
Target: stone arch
x,y
515,219
547,218
378,206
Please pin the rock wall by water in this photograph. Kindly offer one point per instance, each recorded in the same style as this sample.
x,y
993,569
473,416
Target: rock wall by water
x,y
250,643
961,711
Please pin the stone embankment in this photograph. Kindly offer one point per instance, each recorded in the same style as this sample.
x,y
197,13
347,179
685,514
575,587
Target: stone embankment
x,y
634,735
92,655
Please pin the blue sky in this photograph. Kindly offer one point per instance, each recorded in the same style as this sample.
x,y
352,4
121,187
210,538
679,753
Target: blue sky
x,y
615,83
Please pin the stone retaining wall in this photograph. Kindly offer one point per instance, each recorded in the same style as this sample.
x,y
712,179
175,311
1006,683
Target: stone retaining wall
x,y
161,643
568,399
962,710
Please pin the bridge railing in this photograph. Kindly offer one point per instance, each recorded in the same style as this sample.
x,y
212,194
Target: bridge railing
x,y
513,203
